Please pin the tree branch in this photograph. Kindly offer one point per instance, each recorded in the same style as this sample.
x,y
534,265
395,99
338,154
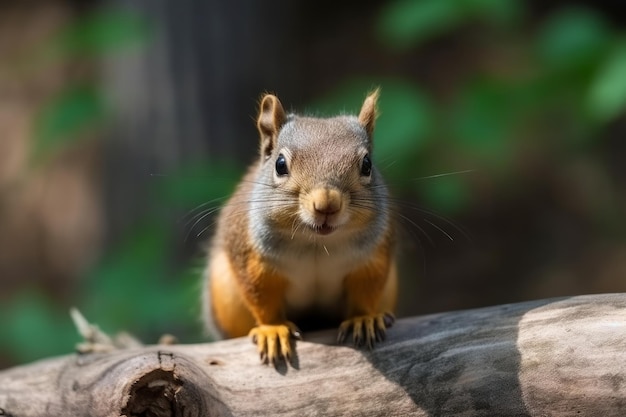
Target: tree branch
x,y
557,357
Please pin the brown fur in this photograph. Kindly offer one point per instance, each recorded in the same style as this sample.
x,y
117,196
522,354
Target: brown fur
x,y
277,230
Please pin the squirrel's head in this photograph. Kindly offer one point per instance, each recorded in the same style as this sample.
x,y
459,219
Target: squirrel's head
x,y
316,175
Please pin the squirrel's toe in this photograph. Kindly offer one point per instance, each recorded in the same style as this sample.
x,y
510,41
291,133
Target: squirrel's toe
x,y
366,329
274,341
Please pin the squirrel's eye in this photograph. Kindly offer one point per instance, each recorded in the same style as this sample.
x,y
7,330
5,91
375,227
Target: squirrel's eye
x,y
366,166
281,165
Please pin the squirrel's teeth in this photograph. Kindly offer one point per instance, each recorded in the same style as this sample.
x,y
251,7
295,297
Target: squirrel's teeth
x,y
324,229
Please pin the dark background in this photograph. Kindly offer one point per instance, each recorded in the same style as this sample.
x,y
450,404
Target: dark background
x,y
118,118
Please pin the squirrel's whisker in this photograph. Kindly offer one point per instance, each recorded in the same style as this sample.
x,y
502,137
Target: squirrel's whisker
x,y
312,189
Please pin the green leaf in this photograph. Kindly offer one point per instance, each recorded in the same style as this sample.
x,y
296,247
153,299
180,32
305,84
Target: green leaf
x,y
405,23
33,328
101,32
483,118
501,12
607,94
63,121
571,37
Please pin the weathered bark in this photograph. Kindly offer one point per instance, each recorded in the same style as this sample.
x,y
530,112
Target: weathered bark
x,y
558,357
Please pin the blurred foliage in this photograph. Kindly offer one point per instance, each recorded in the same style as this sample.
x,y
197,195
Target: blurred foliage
x,y
66,119
199,182
101,32
81,107
33,326
138,286
571,38
571,75
607,93
407,23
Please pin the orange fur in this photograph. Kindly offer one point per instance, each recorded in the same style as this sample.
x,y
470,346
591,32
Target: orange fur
x,y
265,259
230,313
245,290
252,303
264,291
371,288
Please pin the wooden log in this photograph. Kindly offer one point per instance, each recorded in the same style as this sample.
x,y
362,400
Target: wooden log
x,y
556,357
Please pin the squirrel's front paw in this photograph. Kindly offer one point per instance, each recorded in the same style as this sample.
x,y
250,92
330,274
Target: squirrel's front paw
x,y
273,341
367,329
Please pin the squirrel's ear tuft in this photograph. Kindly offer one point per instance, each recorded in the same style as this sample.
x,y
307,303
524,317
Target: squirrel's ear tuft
x,y
271,119
369,111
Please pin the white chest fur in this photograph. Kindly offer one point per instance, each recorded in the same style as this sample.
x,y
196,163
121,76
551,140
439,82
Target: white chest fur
x,y
316,278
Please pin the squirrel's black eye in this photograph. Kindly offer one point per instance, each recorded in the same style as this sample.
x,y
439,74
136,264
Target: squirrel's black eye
x,y
281,165
366,166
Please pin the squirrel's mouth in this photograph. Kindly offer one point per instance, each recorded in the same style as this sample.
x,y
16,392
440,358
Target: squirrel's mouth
x,y
324,229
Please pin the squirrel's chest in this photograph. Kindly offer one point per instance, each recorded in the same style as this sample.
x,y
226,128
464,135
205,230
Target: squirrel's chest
x,y
315,280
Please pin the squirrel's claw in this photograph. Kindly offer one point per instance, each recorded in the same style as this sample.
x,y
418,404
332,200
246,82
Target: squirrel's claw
x,y
366,330
274,342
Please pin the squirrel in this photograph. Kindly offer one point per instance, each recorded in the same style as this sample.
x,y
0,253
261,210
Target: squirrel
x,y
307,233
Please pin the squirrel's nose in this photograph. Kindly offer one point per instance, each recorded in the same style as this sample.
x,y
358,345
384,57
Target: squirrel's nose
x,y
326,200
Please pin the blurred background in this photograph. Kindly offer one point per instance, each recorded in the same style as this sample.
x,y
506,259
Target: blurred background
x,y
119,118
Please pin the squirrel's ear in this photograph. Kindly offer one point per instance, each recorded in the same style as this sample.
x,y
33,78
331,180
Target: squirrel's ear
x,y
369,111
271,119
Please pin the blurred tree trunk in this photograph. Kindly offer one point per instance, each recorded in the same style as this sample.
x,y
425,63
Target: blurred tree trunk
x,y
190,94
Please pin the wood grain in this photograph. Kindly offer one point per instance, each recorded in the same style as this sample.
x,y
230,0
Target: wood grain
x,y
556,357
